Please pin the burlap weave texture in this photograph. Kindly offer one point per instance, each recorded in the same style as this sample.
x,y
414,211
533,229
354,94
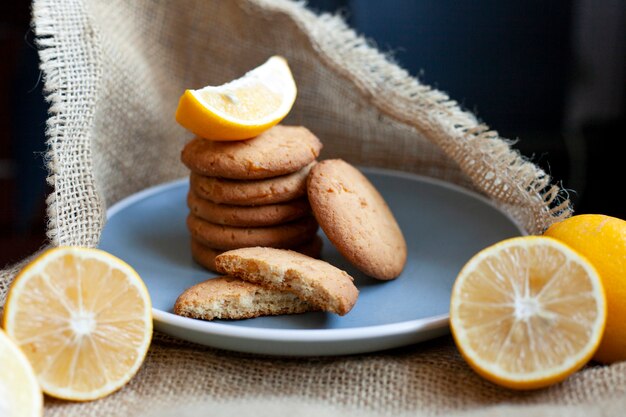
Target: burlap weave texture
x,y
113,72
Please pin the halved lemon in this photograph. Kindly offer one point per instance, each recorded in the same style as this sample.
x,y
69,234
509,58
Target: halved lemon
x,y
83,319
20,395
243,108
527,312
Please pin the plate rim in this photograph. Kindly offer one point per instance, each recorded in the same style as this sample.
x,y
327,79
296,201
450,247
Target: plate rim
x,y
308,335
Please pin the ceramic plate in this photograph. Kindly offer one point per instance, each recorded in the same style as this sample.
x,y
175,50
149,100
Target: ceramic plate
x,y
444,226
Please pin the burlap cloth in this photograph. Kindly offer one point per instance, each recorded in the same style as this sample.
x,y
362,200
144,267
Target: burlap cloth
x,y
113,72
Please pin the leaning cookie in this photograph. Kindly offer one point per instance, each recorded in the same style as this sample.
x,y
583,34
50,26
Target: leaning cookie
x,y
315,281
232,298
251,193
205,256
277,151
356,219
254,216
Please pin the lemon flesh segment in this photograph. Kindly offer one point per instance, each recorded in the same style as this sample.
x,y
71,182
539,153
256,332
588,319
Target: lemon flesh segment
x,y
243,108
251,103
83,319
20,395
527,312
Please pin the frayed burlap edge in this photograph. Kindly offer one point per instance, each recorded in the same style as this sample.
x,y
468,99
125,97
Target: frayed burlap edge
x,y
68,157
511,181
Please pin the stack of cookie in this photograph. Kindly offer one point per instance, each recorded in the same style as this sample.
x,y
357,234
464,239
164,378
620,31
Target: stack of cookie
x,y
251,193
261,281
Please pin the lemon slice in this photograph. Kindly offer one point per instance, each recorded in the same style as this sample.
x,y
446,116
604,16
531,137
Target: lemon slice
x,y
243,108
20,395
83,319
527,312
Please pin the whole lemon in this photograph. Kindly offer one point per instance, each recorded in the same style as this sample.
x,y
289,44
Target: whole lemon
x,y
602,240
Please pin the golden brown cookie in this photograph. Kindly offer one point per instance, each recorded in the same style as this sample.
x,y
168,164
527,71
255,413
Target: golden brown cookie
x,y
205,256
313,280
232,298
253,216
356,219
277,151
229,237
251,193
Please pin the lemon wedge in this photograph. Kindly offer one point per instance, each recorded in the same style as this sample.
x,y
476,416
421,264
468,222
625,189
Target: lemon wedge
x,y
243,108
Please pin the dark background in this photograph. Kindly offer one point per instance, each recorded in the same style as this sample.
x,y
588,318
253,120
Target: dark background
x,y
550,74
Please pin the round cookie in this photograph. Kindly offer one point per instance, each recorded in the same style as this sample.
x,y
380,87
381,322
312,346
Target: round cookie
x,y
315,281
218,236
251,193
277,151
235,299
242,216
205,256
356,219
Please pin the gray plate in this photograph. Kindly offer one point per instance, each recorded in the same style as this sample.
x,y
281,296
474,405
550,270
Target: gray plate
x,y
444,226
